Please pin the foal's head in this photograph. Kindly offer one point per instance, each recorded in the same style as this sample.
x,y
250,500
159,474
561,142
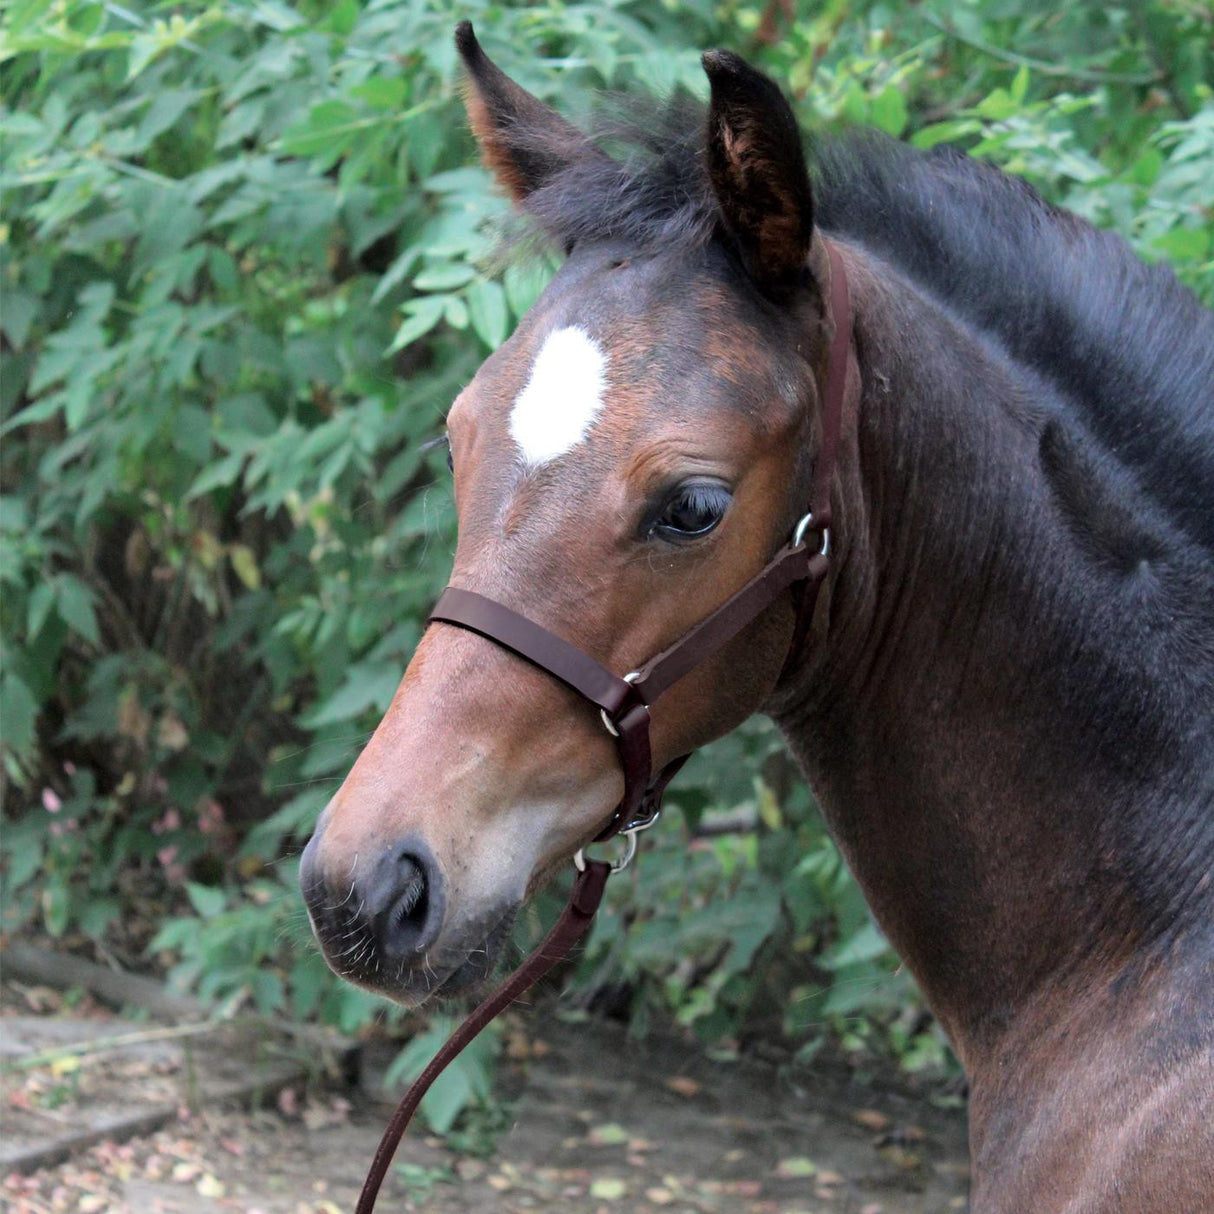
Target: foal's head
x,y
632,455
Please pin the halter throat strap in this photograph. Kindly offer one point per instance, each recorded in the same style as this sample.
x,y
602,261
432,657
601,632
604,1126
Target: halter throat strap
x,y
624,705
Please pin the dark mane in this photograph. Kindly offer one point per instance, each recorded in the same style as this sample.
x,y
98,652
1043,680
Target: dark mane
x,y
1129,350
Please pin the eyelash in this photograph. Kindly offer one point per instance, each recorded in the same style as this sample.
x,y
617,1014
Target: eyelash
x,y
708,499
441,440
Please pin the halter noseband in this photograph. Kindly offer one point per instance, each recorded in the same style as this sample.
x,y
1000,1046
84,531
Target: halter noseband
x,y
624,705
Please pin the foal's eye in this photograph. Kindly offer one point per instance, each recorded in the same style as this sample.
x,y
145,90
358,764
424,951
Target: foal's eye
x,y
693,510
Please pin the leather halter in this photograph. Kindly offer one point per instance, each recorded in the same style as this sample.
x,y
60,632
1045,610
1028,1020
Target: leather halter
x,y
624,704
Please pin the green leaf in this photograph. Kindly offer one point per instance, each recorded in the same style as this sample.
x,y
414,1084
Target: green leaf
x,y
42,599
17,315
14,518
207,900
56,908
865,945
222,472
363,689
1020,84
268,992
244,564
24,846
422,315
998,105
382,92
395,274
96,916
487,311
444,276
889,111
344,17
1184,244
18,713
524,283
75,603
455,311
328,128
1146,169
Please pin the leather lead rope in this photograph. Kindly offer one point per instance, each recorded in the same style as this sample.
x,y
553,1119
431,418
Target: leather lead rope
x,y
624,704
575,919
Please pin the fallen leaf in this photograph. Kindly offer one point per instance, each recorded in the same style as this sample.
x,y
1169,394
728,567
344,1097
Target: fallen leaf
x,y
871,1119
209,1186
796,1167
744,1188
659,1197
609,1188
608,1135
908,1161
681,1085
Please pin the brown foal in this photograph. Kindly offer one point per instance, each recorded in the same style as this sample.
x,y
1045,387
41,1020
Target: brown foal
x,y
1003,698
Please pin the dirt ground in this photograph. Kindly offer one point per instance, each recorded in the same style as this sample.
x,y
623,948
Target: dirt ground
x,y
599,1123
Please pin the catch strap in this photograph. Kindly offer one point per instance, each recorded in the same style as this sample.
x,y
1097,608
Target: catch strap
x,y
577,916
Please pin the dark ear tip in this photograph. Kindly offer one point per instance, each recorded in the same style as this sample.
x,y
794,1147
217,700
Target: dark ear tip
x,y
465,40
724,63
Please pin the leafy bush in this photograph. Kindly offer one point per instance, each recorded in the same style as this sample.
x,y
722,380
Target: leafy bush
x,y
247,264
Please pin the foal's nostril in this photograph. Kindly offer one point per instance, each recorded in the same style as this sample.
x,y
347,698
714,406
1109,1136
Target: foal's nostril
x,y
388,907
411,914
404,924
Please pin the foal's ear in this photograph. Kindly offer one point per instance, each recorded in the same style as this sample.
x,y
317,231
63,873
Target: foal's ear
x,y
757,168
522,140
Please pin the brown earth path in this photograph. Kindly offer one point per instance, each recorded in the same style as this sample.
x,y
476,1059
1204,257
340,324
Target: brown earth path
x,y
599,1124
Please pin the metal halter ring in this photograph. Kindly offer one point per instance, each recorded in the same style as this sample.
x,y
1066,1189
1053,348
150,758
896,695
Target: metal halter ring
x,y
630,677
630,848
803,525
579,857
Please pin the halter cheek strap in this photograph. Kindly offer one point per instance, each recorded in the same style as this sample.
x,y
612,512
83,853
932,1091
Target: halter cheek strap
x,y
624,706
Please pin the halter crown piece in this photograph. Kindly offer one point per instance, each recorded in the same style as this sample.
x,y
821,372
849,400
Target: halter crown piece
x,y
624,705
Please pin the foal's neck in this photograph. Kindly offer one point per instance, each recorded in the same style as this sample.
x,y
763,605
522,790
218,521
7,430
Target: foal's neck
x,y
1017,789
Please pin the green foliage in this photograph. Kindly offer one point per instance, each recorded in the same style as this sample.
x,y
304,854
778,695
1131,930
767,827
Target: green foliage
x,y
465,1084
247,263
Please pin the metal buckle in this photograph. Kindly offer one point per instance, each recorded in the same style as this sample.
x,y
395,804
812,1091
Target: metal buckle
x,y
630,677
630,847
803,525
